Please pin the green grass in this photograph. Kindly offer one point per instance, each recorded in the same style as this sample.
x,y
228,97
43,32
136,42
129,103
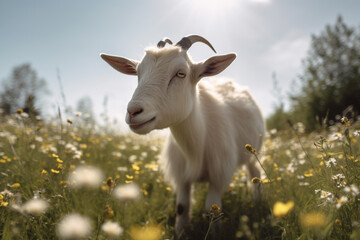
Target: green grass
x,y
296,164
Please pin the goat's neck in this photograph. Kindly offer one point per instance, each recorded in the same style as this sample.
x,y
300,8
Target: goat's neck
x,y
190,134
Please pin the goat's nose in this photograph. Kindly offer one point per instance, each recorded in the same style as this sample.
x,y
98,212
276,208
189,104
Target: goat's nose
x,y
134,110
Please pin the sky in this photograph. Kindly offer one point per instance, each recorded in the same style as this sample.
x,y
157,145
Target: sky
x,y
66,37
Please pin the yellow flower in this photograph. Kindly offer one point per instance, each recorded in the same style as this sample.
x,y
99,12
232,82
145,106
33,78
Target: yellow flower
x,y
135,167
109,182
215,208
280,209
256,180
54,171
129,176
3,204
250,148
309,173
266,180
64,182
313,219
19,111
151,232
16,185
44,172
108,212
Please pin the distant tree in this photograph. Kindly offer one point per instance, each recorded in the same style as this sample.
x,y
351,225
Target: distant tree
x,y
278,119
331,78
22,90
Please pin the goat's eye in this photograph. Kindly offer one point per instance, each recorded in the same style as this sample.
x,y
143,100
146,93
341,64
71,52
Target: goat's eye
x,y
180,75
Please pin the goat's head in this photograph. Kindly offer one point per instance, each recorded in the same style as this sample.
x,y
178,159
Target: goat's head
x,y
167,79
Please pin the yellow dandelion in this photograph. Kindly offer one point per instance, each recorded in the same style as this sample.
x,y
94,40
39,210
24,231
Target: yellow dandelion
x,y
54,171
256,180
214,208
266,180
16,185
64,182
309,173
313,219
281,209
129,176
151,232
250,148
135,167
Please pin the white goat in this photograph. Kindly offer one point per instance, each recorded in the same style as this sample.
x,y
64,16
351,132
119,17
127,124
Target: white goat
x,y
210,122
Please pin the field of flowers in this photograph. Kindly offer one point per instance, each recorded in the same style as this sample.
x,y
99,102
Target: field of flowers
x,y
64,179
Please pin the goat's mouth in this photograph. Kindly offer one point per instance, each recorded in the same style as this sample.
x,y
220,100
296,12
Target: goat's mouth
x,y
136,126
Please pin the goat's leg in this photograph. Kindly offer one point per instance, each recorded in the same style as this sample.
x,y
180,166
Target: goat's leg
x,y
182,207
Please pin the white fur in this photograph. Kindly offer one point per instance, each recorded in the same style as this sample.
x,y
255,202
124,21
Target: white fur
x,y
210,121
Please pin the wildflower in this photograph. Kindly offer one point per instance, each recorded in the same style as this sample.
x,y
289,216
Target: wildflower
x,y
127,192
54,171
281,209
19,111
331,161
341,201
215,208
110,182
250,148
313,219
35,206
256,180
74,226
16,185
3,204
353,189
309,173
112,229
151,232
85,176
346,121
108,212
44,172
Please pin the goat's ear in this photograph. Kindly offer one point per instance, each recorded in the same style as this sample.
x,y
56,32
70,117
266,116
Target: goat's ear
x,y
214,65
124,65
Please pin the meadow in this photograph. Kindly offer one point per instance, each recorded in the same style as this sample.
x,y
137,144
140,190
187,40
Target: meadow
x,y
71,180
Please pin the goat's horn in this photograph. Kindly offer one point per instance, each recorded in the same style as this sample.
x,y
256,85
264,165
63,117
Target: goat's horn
x,y
162,43
186,42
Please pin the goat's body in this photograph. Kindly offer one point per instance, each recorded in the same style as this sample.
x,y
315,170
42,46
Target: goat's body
x,y
230,119
209,146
